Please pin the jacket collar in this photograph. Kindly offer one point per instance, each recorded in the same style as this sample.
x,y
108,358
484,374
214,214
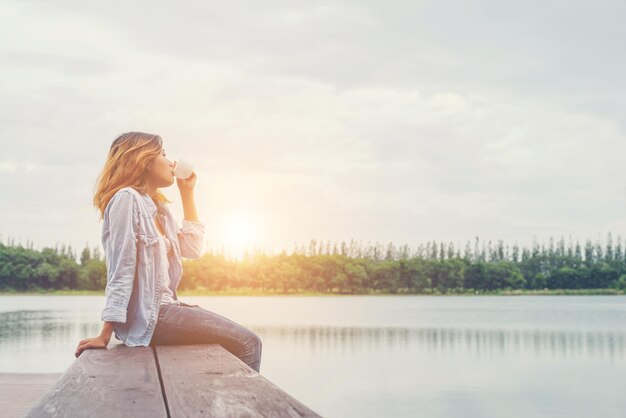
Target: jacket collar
x,y
154,208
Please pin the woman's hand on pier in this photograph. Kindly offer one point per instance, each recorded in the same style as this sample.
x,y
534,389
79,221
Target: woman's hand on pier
x,y
96,342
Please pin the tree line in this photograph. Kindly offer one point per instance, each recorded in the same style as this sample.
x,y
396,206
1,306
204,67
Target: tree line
x,y
432,267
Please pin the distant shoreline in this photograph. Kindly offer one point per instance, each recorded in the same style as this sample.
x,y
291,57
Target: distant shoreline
x,y
248,292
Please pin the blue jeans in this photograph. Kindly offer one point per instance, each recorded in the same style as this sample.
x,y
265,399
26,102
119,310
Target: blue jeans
x,y
190,324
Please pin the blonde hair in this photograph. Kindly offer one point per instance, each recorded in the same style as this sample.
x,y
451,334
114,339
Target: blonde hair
x,y
125,166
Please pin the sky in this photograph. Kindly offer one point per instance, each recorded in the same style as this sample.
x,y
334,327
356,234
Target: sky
x,y
394,121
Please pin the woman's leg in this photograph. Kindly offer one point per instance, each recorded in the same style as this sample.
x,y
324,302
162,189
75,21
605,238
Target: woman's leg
x,y
191,324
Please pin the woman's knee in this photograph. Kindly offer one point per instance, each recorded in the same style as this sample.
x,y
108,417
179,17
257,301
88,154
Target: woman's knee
x,y
254,341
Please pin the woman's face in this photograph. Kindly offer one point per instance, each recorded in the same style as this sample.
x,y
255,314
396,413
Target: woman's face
x,y
160,170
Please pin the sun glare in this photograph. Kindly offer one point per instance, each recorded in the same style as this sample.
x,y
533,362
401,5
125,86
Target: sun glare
x,y
240,233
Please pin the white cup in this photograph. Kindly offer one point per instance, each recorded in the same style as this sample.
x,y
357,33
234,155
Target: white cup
x,y
183,169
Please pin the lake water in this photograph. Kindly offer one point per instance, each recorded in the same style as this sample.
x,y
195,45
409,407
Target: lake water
x,y
394,356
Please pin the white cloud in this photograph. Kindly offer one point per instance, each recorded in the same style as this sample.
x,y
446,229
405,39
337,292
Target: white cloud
x,y
332,120
8,166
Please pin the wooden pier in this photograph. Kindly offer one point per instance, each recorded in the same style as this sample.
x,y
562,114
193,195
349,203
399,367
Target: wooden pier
x,y
19,391
203,380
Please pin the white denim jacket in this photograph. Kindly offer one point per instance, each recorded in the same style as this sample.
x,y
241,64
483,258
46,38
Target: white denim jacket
x,y
133,252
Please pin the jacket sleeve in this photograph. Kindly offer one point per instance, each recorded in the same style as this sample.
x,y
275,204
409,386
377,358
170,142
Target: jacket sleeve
x,y
121,256
191,239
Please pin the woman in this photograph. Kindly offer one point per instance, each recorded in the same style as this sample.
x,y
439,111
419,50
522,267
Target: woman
x,y
144,248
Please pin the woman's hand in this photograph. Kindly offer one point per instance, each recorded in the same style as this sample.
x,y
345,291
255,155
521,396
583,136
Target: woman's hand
x,y
96,342
186,185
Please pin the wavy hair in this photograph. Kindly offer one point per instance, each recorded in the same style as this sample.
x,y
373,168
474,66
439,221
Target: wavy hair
x,y
125,166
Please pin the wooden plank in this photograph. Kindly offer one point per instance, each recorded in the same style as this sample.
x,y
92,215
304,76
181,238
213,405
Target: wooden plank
x,y
114,382
20,391
207,380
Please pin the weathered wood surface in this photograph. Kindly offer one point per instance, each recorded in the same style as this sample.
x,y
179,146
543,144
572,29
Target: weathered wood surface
x,y
207,380
19,391
202,380
118,381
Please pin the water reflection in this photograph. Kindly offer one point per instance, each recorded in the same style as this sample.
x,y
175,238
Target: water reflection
x,y
369,357
26,327
46,324
474,342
